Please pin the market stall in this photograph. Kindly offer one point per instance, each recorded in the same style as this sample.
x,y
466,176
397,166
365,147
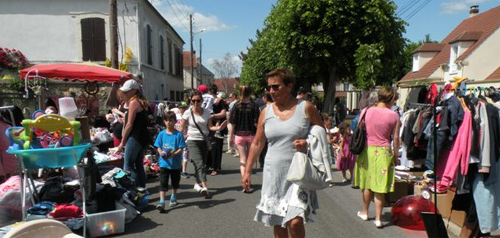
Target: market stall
x,y
59,144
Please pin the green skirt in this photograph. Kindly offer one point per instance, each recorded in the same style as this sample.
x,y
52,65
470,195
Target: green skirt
x,y
374,169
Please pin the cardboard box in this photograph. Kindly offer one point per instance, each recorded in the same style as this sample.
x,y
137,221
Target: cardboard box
x,y
443,203
401,189
457,217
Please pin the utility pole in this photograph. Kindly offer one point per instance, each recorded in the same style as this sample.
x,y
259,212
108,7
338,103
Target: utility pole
x,y
113,29
191,52
201,67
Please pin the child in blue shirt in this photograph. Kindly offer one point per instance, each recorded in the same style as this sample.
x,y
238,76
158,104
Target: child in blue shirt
x,y
170,145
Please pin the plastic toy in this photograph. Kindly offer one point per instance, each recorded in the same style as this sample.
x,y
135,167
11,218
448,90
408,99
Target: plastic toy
x,y
37,114
406,212
16,137
47,123
64,141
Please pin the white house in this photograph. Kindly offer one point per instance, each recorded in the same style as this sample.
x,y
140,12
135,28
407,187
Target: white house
x,y
55,31
201,74
469,51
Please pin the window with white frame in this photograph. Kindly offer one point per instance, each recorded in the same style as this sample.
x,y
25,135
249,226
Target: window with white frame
x,y
416,65
454,53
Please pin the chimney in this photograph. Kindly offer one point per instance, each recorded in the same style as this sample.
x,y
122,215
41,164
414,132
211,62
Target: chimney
x,y
474,10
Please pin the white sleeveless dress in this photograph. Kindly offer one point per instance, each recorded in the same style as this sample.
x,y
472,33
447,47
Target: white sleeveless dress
x,y
281,200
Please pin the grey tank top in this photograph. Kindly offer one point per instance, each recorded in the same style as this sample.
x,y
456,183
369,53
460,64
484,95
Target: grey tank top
x,y
281,133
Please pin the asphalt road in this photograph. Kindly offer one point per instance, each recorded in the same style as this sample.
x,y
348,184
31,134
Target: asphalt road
x,y
230,212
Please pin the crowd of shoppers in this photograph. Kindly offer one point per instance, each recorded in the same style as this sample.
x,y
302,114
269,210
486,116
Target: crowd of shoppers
x,y
269,130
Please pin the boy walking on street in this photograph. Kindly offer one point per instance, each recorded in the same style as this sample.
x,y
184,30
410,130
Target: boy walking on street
x,y
170,145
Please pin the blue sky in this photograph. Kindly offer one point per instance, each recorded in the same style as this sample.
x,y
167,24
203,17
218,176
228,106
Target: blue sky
x,y
225,26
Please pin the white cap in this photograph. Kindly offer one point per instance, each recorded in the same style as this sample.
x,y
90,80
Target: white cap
x,y
129,85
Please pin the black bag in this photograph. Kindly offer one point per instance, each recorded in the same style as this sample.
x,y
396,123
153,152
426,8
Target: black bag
x,y
358,138
54,190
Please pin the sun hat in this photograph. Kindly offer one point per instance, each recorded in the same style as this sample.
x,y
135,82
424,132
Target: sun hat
x,y
129,85
183,104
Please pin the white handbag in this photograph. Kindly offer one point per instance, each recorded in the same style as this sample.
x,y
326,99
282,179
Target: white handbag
x,y
303,173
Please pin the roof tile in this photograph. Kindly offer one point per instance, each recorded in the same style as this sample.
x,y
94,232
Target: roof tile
x,y
485,22
495,75
429,47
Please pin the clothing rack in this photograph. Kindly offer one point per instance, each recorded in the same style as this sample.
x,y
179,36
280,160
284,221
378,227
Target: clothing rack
x,y
412,105
439,230
419,104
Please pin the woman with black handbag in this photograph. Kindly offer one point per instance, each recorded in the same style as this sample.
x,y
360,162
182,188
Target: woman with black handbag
x,y
374,169
199,123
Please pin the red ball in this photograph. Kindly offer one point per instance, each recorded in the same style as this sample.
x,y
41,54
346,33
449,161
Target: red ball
x,y
406,212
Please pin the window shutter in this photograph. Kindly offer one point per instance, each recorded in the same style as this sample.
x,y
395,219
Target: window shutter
x,y
87,41
170,60
99,39
162,54
93,39
149,45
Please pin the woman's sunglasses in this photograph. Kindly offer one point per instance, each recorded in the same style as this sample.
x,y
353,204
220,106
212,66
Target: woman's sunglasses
x,y
196,100
275,87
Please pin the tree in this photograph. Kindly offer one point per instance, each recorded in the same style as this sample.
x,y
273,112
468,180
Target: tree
x,y
326,41
225,68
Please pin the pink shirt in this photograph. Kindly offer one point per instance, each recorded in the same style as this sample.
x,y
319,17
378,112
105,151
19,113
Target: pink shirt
x,y
380,123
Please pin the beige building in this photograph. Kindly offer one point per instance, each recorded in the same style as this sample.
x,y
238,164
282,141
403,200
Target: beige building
x,y
471,50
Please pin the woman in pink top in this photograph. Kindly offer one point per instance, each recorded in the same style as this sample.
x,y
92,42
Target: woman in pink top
x,y
374,170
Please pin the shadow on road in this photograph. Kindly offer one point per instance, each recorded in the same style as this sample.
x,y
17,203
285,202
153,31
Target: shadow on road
x,y
141,224
202,204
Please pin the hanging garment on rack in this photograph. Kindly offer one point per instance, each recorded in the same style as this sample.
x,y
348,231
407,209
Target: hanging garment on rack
x,y
494,121
484,153
431,96
408,135
404,157
487,200
460,151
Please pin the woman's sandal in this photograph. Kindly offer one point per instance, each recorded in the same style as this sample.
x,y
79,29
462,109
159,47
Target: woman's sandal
x,y
363,217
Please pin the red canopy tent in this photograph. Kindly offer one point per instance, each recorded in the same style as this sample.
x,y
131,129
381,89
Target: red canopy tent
x,y
76,72
83,72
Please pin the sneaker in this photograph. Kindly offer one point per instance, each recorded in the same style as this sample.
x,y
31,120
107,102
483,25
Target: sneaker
x,y
173,201
185,175
218,135
378,224
197,187
237,155
204,191
229,152
160,207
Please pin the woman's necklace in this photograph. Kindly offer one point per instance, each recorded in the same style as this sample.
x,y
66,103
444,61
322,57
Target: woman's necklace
x,y
284,113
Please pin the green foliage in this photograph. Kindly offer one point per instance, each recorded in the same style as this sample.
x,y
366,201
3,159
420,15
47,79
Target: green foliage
x,y
323,40
369,65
